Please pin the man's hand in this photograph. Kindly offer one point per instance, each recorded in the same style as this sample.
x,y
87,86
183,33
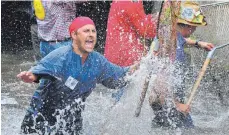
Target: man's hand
x,y
184,108
27,76
206,46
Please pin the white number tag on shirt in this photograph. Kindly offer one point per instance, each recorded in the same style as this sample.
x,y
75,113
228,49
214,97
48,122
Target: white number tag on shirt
x,y
71,82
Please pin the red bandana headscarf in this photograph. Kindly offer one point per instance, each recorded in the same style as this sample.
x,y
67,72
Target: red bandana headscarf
x,y
79,22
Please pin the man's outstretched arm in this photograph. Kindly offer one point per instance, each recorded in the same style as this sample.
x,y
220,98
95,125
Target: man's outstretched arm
x,y
27,76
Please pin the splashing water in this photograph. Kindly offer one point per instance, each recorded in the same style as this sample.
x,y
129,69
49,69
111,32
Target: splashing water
x,y
109,119
102,117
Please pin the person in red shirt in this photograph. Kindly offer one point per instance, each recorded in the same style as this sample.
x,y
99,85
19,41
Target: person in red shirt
x,y
127,27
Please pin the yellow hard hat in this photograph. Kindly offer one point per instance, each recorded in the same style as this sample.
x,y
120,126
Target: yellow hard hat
x,y
191,14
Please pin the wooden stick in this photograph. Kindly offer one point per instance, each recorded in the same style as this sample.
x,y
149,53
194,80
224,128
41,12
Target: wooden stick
x,y
143,94
197,83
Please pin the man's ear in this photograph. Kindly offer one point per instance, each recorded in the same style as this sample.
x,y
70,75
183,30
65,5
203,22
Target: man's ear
x,y
73,35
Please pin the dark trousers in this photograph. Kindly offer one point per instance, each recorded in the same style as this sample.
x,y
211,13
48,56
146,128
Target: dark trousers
x,y
54,109
170,117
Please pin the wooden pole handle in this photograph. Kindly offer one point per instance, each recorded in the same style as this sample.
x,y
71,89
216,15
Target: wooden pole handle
x,y
197,83
143,94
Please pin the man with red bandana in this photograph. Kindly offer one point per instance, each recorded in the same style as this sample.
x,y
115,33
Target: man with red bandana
x,y
73,72
127,28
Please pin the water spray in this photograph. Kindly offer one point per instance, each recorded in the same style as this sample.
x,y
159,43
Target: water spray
x,y
146,82
166,50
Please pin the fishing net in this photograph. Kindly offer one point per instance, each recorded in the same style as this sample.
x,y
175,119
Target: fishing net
x,y
216,32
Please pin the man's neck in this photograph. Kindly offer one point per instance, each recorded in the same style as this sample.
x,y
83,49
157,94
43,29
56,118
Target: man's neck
x,y
83,58
83,55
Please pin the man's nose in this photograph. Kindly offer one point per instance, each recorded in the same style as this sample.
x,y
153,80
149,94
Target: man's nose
x,y
92,33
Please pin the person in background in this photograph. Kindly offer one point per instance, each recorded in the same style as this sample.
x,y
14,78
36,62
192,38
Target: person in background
x,y
189,17
127,28
53,19
76,70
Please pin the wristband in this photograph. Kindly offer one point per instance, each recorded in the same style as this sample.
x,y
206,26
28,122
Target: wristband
x,y
197,44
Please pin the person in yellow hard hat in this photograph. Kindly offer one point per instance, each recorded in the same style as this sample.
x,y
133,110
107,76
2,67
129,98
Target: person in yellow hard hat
x,y
188,18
